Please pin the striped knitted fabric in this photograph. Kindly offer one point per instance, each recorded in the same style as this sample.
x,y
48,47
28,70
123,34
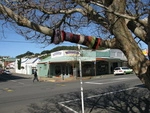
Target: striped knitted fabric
x,y
56,38
91,42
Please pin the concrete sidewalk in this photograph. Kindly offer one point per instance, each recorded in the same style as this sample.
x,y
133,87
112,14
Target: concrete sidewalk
x,y
60,79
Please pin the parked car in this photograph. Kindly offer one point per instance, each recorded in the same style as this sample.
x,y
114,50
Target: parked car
x,y
122,70
7,72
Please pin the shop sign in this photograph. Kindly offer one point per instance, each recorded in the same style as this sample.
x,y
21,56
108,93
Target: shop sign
x,y
72,53
56,54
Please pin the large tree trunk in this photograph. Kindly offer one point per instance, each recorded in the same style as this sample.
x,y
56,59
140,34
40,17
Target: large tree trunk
x,y
136,60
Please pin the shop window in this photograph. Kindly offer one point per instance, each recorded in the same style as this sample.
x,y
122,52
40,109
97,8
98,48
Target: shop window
x,y
102,68
66,70
57,70
87,69
70,70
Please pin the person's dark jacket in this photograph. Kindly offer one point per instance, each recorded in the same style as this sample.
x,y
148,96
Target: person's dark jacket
x,y
35,74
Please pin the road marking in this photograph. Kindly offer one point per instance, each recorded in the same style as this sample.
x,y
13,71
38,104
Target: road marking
x,y
113,81
108,93
120,78
68,108
112,92
21,83
8,90
18,82
101,83
93,83
13,80
61,84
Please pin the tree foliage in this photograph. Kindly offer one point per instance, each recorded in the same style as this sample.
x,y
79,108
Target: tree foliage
x,y
48,52
59,48
28,53
19,63
120,24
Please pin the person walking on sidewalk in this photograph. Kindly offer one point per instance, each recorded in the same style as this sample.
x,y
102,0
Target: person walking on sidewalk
x,y
35,76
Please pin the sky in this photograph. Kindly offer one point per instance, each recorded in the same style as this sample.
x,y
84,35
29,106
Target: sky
x,y
14,44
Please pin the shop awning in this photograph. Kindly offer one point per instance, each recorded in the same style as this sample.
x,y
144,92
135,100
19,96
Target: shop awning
x,y
71,59
110,59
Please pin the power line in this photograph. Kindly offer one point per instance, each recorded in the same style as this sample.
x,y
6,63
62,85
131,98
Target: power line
x,y
11,41
14,41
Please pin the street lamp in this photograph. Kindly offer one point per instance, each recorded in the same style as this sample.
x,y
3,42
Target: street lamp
x,y
81,83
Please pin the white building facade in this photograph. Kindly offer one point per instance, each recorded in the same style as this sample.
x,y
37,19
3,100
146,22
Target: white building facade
x,y
26,66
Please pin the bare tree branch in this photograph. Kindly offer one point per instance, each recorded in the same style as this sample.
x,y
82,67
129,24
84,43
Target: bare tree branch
x,y
24,21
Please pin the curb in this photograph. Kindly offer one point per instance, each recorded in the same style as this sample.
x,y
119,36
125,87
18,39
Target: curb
x,y
56,79
45,79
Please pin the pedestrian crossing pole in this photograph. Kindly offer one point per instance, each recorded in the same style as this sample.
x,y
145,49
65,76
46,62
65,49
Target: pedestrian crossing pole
x,y
81,83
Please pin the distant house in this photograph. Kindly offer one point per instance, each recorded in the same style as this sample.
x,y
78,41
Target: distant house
x,y
11,65
1,63
31,64
7,62
22,65
26,66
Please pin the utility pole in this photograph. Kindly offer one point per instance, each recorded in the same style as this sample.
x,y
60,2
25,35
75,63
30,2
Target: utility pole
x,y
81,83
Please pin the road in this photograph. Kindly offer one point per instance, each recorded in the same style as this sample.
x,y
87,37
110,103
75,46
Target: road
x,y
20,95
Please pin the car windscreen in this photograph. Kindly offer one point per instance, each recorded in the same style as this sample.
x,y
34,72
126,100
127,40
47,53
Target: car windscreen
x,y
117,68
125,68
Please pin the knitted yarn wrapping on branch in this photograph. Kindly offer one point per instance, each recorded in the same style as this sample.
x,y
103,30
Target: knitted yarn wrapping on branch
x,y
90,41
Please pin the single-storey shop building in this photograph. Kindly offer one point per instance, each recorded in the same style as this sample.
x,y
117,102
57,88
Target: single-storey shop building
x,y
65,63
27,66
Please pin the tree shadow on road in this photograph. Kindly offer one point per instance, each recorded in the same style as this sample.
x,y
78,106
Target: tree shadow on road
x,y
121,99
116,99
6,77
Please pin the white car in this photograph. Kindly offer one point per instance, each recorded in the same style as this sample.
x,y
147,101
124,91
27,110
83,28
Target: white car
x,y
7,72
122,70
